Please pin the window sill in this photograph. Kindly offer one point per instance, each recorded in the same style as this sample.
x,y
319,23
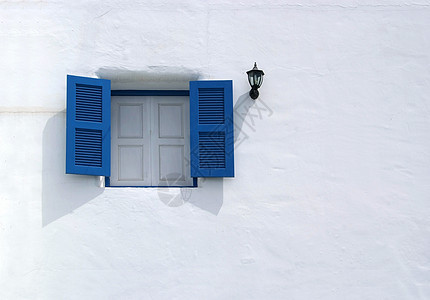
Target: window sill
x,y
105,182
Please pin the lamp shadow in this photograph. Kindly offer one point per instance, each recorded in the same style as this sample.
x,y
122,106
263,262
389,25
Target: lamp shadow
x,y
209,195
61,193
240,111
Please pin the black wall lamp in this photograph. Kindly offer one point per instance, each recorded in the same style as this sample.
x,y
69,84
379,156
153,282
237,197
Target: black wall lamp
x,y
255,78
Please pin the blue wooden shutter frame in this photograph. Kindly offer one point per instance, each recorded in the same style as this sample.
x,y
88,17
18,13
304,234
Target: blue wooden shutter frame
x,y
211,126
88,126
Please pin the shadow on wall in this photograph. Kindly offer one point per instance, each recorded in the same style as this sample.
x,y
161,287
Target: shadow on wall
x,y
247,114
210,192
240,111
208,196
154,77
61,193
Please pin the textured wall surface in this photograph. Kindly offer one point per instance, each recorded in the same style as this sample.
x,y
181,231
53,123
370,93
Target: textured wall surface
x,y
331,195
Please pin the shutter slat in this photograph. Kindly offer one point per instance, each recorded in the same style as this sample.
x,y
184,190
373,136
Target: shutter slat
x,y
212,149
88,103
88,150
211,105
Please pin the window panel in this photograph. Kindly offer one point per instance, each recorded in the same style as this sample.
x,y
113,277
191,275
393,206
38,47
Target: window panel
x,y
131,163
170,120
171,163
130,121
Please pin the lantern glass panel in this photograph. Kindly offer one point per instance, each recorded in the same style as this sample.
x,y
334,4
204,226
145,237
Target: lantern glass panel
x,y
258,79
251,79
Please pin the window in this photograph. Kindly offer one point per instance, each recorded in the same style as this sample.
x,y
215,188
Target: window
x,y
157,138
150,141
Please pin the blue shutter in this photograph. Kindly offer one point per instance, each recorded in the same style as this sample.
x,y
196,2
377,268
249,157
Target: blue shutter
x,y
88,126
211,124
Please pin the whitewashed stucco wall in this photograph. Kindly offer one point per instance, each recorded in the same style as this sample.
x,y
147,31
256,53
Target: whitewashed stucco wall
x,y
331,195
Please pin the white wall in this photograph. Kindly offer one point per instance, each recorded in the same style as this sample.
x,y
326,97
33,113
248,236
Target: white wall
x,y
331,195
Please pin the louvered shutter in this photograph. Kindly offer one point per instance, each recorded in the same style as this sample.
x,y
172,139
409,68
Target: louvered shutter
x,y
88,126
211,124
